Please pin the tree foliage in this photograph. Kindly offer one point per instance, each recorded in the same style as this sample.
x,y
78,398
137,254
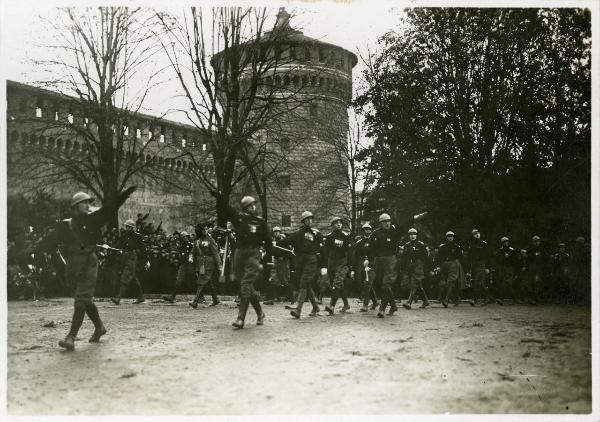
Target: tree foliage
x,y
482,116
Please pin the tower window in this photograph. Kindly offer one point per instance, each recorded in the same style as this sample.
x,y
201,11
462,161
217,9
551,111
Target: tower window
x,y
307,53
284,180
321,54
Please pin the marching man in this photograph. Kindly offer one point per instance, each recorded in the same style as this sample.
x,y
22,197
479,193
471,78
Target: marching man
x,y
133,249
306,242
252,233
336,249
79,236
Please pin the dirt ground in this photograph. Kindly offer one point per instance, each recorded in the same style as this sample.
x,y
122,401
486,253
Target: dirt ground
x,y
160,359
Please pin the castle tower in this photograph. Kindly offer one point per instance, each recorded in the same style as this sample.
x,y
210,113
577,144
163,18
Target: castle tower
x,y
313,171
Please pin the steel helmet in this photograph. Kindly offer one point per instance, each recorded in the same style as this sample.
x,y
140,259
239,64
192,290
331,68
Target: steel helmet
x,y
536,237
130,223
276,229
412,231
80,197
334,220
305,215
366,226
384,217
247,200
449,233
184,233
504,239
474,231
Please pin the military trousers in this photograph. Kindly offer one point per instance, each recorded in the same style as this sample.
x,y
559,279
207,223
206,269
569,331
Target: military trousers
x,y
246,267
385,270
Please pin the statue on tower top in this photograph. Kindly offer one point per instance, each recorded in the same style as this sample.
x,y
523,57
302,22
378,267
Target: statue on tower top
x,y
283,19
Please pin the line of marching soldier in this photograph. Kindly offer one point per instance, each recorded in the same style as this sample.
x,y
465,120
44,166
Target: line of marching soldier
x,y
323,262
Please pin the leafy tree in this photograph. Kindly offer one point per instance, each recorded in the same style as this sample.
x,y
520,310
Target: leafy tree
x,y
482,116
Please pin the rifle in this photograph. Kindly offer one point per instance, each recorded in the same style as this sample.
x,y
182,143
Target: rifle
x,y
222,276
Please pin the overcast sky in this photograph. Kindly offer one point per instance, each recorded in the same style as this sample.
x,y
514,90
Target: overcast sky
x,y
353,26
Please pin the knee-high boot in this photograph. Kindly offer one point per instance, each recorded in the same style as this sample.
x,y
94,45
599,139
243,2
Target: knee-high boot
x,y
122,291
244,302
410,298
425,303
334,297
301,298
92,312
78,315
449,289
366,294
373,297
260,315
313,301
194,303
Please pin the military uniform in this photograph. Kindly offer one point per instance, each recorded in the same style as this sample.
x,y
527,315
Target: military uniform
x,y
306,243
251,233
478,263
181,257
281,268
562,276
538,268
505,266
523,280
365,276
452,273
79,236
134,252
416,263
383,248
336,257
207,264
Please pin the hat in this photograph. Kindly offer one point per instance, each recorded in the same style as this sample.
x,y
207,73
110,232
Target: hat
x,y
474,231
366,226
504,239
80,197
384,217
449,233
334,220
130,223
247,200
305,215
536,237
523,251
276,229
184,233
412,231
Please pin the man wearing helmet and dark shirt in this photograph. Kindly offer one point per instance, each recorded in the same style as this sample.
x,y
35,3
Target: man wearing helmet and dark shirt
x,y
79,236
416,262
306,242
134,251
506,268
383,248
337,260
252,232
362,269
453,276
478,266
183,258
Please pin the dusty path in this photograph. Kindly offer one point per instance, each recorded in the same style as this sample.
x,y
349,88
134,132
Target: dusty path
x,y
171,359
